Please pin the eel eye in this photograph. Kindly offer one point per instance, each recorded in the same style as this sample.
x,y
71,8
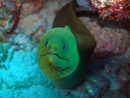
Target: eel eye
x,y
63,46
46,43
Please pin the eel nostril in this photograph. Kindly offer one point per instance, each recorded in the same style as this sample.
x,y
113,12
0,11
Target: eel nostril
x,y
52,49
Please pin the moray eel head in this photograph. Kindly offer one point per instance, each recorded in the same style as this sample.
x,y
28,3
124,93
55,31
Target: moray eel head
x,y
57,53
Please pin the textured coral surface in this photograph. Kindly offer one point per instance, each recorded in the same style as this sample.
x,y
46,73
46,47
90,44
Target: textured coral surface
x,y
113,39
113,9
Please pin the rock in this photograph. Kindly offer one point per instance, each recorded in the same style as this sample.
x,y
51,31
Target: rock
x,y
96,86
112,39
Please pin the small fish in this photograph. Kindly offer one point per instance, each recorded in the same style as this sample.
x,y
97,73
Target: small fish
x,y
83,5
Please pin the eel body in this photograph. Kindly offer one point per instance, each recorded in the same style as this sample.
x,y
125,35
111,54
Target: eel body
x,y
85,41
66,69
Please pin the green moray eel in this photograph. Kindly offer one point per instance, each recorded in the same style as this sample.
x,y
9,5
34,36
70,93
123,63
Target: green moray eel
x,y
64,50
57,53
67,16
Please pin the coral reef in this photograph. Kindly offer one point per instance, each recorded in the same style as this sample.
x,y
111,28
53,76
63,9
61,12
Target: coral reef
x,y
113,9
31,7
21,42
30,24
9,16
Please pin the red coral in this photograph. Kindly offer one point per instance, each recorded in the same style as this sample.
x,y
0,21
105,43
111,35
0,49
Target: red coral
x,y
113,10
17,15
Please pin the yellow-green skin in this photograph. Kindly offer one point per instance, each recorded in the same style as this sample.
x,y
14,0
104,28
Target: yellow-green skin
x,y
66,69
53,61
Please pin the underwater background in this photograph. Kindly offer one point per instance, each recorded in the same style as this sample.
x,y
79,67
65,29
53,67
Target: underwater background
x,y
24,22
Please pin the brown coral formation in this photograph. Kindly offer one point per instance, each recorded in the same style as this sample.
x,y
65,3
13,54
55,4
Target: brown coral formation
x,y
9,16
32,6
111,42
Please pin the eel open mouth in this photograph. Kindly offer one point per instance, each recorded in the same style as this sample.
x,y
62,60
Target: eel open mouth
x,y
56,55
53,71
